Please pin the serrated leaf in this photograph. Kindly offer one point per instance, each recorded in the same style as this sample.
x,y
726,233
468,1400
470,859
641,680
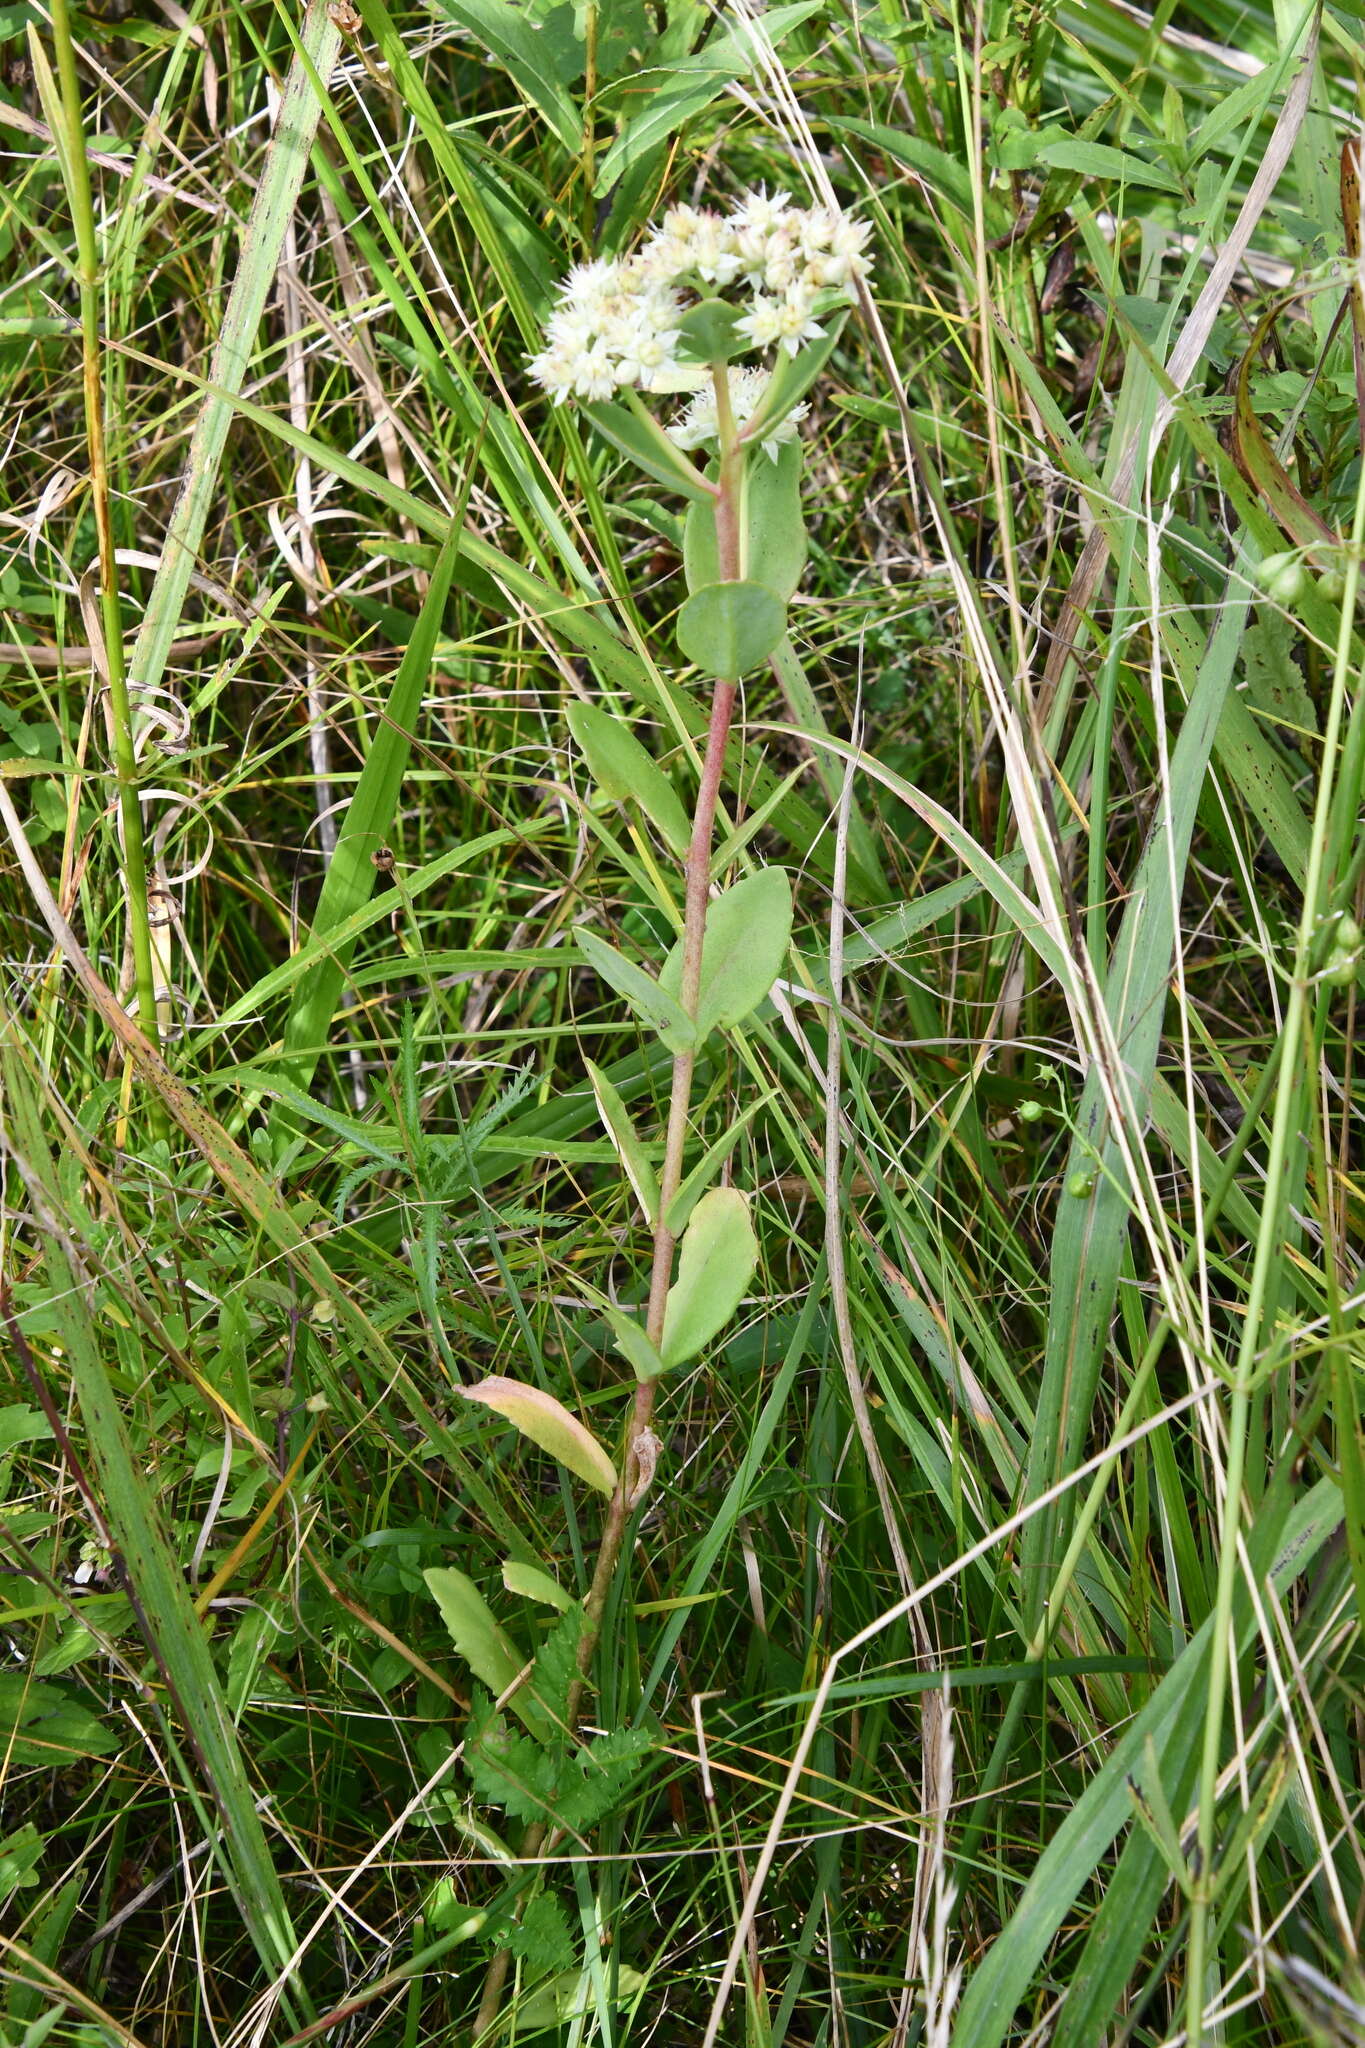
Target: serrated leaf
x,y
616,1117
557,1668
728,629
743,950
651,1004
716,1263
509,1770
542,1938
620,766
532,1583
489,1652
599,1780
547,1422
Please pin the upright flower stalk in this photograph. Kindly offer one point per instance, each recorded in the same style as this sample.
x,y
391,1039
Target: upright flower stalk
x,y
677,318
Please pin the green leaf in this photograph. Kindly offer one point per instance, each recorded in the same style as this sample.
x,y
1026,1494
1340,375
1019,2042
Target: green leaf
x,y
1096,160
503,30
648,447
351,874
42,1725
542,1938
727,629
717,1261
652,1004
510,1770
565,1997
709,333
631,1152
557,1669
547,1422
533,1584
772,527
489,1652
743,950
622,768
631,1340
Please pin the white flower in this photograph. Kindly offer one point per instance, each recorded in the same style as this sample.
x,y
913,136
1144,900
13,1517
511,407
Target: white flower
x,y
796,322
698,427
759,213
763,323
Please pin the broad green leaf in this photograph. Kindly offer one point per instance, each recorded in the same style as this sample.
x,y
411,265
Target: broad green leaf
x,y
652,1004
504,31
489,1652
727,629
709,333
568,1996
1096,160
772,527
717,1261
533,1584
621,1130
547,1422
745,944
648,447
621,767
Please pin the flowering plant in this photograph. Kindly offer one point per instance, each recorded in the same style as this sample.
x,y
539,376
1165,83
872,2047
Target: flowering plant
x,y
734,314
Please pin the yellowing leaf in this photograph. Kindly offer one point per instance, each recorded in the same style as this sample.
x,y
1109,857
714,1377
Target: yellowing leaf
x,y
548,1423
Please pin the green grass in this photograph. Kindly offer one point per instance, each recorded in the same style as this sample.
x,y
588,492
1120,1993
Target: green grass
x,y
1047,1390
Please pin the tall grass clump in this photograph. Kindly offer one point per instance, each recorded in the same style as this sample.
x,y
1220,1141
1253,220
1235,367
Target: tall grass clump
x,y
681,761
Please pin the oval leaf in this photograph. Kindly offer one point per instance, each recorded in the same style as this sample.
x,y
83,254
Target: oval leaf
x,y
726,629
654,1005
548,1423
533,1584
747,932
621,767
719,1253
489,1652
774,527
710,334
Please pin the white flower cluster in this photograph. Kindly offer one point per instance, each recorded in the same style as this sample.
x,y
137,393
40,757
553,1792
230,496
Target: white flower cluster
x,y
697,426
617,323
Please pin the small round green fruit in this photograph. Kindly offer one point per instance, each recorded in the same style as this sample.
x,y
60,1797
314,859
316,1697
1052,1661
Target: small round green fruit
x,y
1080,1184
1030,1111
1282,577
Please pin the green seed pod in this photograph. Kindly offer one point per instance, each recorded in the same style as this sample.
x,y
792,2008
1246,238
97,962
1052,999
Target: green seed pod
x,y
1030,1111
1282,578
1348,937
1081,1183
1341,968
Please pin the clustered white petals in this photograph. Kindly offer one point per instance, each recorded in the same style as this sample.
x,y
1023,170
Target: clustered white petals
x,y
697,426
617,322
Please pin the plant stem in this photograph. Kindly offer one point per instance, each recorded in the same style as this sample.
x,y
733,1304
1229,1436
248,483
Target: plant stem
x,y
77,169
634,1473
